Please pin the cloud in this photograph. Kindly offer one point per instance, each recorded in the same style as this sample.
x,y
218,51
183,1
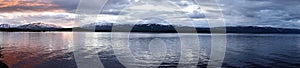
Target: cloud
x,y
28,6
160,9
277,13
4,3
67,5
63,19
112,7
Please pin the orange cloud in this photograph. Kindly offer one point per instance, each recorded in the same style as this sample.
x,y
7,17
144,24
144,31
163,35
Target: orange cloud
x,y
27,3
7,3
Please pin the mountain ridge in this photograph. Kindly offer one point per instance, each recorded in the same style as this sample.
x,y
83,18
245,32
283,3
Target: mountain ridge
x,y
150,28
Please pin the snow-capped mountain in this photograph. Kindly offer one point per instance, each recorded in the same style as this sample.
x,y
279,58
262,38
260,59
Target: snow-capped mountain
x,y
153,21
97,25
5,26
39,26
104,25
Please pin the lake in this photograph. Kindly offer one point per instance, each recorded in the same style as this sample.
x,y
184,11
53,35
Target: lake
x,y
91,49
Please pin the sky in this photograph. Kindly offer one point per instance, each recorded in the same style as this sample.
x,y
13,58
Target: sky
x,y
273,13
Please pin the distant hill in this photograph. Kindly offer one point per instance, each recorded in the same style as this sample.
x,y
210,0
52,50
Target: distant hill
x,y
144,27
5,26
97,26
264,30
39,26
36,27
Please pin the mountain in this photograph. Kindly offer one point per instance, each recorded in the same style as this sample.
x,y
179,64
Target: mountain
x,y
153,27
165,28
262,30
5,26
154,20
142,27
39,26
98,26
147,24
149,27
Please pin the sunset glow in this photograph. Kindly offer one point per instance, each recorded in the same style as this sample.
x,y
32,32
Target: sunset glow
x,y
27,3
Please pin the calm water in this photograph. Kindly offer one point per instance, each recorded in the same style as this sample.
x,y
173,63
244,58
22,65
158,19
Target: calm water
x,y
57,49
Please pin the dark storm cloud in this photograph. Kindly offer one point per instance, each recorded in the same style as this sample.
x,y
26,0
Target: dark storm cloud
x,y
279,13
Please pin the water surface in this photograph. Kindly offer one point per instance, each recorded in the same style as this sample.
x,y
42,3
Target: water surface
x,y
57,49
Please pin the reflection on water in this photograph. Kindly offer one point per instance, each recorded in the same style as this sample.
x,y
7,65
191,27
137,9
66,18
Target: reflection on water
x,y
25,50
2,65
57,50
